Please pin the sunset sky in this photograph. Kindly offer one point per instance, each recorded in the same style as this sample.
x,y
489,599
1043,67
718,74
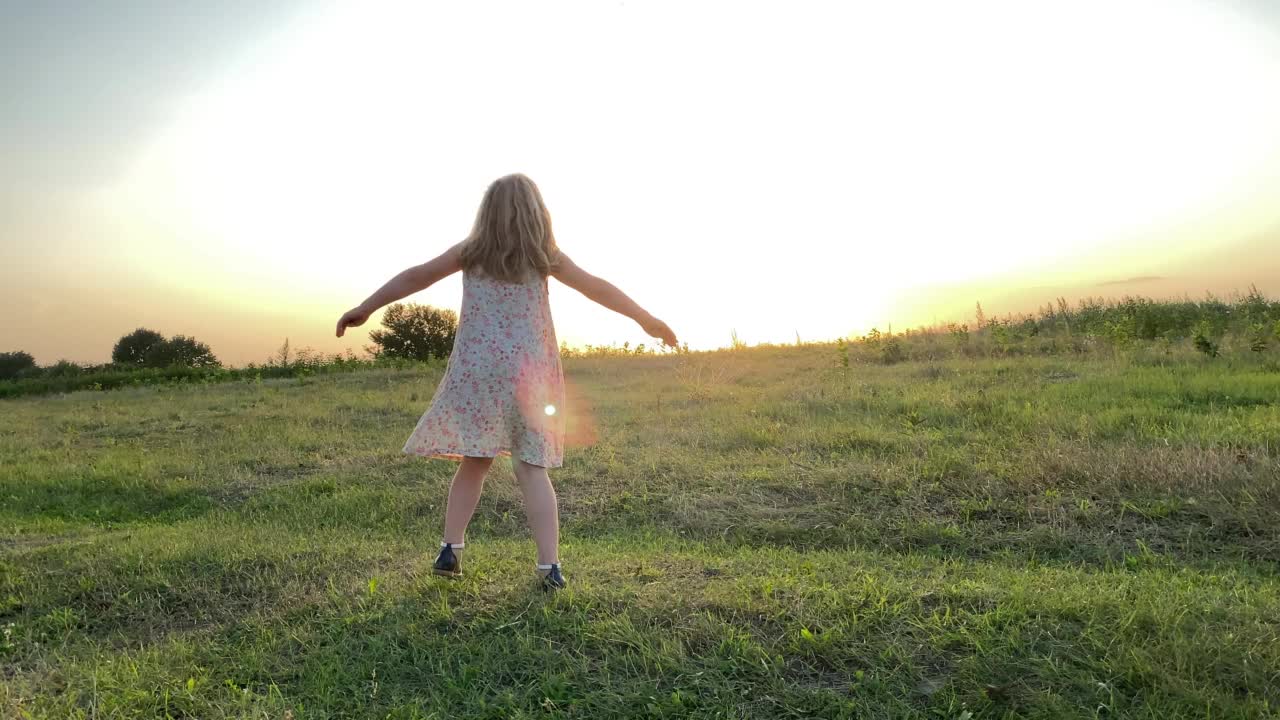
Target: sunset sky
x,y
246,171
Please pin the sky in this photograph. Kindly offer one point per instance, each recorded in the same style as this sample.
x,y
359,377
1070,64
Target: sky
x,y
244,172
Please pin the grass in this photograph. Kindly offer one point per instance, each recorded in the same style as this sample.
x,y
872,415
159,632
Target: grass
x,y
753,534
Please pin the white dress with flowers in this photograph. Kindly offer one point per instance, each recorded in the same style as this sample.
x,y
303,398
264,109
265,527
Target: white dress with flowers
x,y
503,391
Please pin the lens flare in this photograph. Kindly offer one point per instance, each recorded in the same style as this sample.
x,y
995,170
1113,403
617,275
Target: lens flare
x,y
551,409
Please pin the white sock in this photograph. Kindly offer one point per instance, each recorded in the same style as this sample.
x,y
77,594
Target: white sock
x,y
548,567
455,546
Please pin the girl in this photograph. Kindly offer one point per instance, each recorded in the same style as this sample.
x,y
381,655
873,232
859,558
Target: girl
x,y
503,391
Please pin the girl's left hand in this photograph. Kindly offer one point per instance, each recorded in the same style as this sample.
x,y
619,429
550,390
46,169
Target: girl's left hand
x,y
353,318
658,329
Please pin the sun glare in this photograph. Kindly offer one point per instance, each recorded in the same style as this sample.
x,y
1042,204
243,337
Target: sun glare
x,y
828,155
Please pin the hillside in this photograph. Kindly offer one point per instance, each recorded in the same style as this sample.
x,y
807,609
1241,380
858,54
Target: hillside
x,y
765,533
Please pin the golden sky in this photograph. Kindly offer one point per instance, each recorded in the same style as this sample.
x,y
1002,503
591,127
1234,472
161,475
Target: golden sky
x,y
770,168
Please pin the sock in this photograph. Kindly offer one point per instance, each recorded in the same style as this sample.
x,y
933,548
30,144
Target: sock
x,y
548,567
455,546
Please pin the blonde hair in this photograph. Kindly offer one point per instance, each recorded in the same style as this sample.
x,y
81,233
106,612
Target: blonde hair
x,y
512,233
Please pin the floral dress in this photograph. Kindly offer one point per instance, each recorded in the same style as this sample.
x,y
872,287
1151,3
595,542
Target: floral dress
x,y
503,391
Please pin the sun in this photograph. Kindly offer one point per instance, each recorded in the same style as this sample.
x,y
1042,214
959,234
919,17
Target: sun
x,y
988,146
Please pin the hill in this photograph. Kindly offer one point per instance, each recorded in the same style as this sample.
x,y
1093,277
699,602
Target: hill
x,y
771,533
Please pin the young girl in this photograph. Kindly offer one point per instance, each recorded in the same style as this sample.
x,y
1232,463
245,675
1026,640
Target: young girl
x,y
503,391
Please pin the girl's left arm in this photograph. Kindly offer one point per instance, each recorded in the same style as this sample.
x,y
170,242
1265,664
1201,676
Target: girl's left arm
x,y
408,282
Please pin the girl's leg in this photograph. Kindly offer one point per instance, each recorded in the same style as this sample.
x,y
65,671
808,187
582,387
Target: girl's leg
x,y
540,508
464,494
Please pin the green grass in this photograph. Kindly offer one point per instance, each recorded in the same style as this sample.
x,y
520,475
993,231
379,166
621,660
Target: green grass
x,y
759,534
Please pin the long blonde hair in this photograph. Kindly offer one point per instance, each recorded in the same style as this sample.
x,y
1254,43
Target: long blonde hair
x,y
512,233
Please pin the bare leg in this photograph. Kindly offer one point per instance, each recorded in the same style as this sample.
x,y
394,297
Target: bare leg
x,y
540,508
464,493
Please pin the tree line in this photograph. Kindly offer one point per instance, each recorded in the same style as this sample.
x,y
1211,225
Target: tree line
x,y
409,332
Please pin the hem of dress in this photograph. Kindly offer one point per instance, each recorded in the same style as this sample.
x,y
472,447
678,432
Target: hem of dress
x,y
455,456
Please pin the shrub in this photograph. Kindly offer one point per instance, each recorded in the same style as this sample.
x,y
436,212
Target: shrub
x,y
110,377
12,363
1203,342
414,332
63,368
1258,338
892,351
181,351
132,349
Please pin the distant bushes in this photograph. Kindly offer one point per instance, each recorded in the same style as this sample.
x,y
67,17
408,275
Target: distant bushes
x,y
184,361
182,351
69,377
148,348
414,332
132,349
1213,327
12,364
1146,319
165,359
624,350
1245,326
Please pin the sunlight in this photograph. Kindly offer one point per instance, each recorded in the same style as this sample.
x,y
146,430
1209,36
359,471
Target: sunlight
x,y
823,160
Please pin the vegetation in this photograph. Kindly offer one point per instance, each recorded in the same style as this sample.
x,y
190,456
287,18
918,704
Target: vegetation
x,y
144,357
69,377
181,351
132,349
14,363
414,332
149,349
975,529
1132,327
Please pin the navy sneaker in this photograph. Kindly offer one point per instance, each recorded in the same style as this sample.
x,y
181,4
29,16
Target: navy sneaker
x,y
448,564
552,580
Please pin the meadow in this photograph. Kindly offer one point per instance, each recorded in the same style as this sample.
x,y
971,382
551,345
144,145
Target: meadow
x,y
829,531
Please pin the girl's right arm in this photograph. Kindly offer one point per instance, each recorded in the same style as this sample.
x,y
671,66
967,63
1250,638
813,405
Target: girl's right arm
x,y
605,293
408,282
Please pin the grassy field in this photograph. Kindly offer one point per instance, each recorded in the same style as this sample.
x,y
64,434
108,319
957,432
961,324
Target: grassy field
x,y
753,534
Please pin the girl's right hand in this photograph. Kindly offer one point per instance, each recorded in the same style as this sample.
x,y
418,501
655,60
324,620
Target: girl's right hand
x,y
656,328
352,318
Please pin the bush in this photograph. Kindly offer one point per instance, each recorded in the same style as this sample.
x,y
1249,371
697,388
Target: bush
x,y
110,377
1202,340
1258,338
414,332
63,368
892,352
12,363
132,349
182,351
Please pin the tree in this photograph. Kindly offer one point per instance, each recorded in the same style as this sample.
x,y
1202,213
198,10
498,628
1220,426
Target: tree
x,y
415,332
132,348
12,363
63,368
180,350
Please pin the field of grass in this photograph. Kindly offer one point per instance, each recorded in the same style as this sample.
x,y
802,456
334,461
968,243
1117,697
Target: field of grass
x,y
753,534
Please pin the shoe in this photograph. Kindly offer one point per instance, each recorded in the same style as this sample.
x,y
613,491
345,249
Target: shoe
x,y
552,580
448,564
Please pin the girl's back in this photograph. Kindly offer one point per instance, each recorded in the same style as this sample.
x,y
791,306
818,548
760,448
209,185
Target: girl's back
x,y
505,324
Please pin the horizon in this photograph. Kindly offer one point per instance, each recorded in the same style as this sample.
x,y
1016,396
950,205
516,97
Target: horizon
x,y
222,173
889,329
